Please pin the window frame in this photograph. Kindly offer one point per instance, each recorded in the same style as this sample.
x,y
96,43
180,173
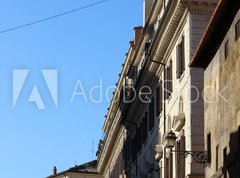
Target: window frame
x,y
237,30
180,58
226,49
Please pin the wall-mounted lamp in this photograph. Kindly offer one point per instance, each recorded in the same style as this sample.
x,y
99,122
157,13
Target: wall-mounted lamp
x,y
198,156
169,139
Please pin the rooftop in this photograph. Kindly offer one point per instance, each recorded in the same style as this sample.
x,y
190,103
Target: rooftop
x,y
87,168
217,28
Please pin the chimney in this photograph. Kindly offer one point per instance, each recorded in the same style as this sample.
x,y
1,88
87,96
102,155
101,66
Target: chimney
x,y
54,170
137,34
147,5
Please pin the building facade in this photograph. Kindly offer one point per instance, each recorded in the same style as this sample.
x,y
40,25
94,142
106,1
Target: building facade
x,y
219,56
157,97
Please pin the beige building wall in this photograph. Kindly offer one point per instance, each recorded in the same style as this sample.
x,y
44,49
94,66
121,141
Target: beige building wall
x,y
222,105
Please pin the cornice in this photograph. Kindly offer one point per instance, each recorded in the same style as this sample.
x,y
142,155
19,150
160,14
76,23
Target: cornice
x,y
109,143
200,6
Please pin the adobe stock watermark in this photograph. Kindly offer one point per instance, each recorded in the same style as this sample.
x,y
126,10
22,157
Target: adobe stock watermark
x,y
127,94
51,79
96,94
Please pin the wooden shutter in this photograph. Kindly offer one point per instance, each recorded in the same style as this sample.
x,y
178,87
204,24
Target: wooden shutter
x,y
134,148
178,61
171,165
151,114
144,129
158,101
165,89
170,77
139,139
182,160
161,96
182,55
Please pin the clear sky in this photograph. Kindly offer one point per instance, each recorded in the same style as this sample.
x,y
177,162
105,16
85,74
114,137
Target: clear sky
x,y
88,45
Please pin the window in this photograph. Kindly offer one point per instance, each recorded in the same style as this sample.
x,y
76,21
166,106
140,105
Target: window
x,y
225,162
171,165
139,139
217,147
180,61
237,30
159,99
180,161
134,148
151,114
127,150
209,147
170,87
239,145
226,49
168,81
166,171
144,128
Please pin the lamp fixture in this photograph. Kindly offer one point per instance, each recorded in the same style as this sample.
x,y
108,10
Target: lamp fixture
x,y
169,139
198,156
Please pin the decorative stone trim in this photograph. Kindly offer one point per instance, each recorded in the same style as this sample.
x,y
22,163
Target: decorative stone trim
x,y
219,173
158,152
199,6
178,122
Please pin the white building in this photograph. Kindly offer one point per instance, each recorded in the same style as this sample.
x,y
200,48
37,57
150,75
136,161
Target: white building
x,y
158,59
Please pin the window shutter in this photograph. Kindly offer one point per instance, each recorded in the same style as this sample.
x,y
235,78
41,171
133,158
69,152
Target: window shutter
x,y
171,165
170,77
142,132
165,89
183,55
161,96
182,161
178,60
158,101
139,139
144,129
134,148
166,168
151,114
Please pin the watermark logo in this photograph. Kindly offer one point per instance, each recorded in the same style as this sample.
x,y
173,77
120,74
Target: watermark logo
x,y
97,94
50,78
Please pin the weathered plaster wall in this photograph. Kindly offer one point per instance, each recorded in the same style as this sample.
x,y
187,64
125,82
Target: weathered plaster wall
x,y
222,99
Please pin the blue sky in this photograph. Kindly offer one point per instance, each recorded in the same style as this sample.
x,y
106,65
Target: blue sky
x,y
88,45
